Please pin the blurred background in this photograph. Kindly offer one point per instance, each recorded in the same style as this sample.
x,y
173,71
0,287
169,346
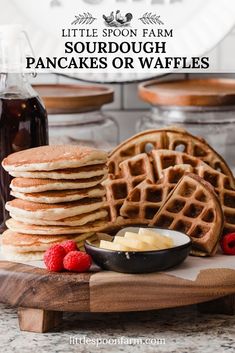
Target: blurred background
x,y
127,108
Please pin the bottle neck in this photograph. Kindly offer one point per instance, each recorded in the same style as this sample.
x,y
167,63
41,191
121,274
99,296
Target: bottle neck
x,y
15,85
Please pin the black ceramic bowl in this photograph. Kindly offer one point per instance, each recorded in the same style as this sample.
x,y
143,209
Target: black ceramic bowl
x,y
141,261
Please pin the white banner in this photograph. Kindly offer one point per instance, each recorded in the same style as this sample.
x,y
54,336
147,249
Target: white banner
x,y
133,36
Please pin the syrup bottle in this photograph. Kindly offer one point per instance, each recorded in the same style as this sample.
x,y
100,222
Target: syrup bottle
x,y
23,118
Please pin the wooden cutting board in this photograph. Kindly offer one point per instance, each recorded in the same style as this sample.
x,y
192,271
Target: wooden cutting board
x,y
41,295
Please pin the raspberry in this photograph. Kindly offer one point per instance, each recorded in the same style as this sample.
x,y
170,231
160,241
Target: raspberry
x,y
53,258
77,261
227,244
69,245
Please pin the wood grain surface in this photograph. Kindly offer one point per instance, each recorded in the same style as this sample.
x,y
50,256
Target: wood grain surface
x,y
123,292
192,92
38,320
69,99
29,287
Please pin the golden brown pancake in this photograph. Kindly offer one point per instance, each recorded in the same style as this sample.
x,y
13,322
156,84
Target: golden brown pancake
x,y
53,157
20,227
28,185
25,247
53,211
85,172
75,221
60,195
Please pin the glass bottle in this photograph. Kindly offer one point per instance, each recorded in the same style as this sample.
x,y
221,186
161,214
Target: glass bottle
x,y
23,118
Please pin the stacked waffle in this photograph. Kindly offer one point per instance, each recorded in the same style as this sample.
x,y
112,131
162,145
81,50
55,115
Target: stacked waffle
x,y
58,196
151,182
134,170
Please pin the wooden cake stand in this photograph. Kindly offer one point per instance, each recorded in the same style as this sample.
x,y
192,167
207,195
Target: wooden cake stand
x,y
41,296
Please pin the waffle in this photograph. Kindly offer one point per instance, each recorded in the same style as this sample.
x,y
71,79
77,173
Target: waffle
x,y
223,186
132,172
163,159
146,198
193,208
144,201
226,193
170,139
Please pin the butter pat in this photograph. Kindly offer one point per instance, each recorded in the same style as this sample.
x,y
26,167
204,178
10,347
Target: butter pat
x,y
147,239
162,240
109,245
134,244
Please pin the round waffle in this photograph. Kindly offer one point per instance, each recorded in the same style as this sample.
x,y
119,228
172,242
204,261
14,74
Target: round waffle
x,y
170,139
142,167
145,199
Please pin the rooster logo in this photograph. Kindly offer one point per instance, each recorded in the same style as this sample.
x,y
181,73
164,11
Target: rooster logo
x,y
117,19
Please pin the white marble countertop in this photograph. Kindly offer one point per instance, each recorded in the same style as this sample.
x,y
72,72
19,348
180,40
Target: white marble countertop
x,y
184,330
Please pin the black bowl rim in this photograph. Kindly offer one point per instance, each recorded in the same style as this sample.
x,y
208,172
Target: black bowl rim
x,y
189,243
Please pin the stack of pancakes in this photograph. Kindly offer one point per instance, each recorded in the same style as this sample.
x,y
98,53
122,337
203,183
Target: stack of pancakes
x,y
58,196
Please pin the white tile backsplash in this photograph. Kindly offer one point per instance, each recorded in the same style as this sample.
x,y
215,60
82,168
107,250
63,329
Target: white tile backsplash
x,y
44,79
226,60
117,103
131,99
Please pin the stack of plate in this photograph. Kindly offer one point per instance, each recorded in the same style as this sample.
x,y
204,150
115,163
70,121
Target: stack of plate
x,y
58,196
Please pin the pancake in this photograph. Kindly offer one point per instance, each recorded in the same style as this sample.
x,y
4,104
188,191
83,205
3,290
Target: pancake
x,y
61,195
28,185
69,173
20,227
56,211
53,157
74,221
11,255
24,247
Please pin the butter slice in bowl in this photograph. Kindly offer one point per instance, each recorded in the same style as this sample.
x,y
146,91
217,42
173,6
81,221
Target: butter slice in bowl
x,y
144,240
140,250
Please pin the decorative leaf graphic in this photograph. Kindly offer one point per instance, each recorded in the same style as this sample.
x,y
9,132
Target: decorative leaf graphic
x,y
85,18
150,18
